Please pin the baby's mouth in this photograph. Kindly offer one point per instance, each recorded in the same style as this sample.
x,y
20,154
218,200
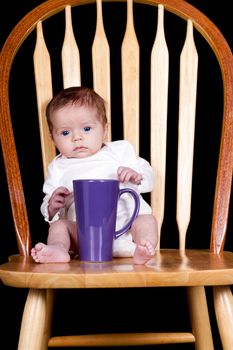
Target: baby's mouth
x,y
80,148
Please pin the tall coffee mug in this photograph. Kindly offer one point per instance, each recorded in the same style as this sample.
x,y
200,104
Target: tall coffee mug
x,y
96,210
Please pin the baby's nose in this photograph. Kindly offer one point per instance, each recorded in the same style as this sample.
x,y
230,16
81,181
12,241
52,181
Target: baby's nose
x,y
77,135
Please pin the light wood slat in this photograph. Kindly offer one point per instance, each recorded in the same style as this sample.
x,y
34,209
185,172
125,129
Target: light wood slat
x,y
130,80
159,99
70,54
187,108
101,63
44,92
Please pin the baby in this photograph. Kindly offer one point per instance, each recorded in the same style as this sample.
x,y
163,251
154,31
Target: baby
x,y
78,125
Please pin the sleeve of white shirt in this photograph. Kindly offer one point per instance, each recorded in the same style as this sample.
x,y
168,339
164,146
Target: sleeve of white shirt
x,y
147,172
49,187
130,159
45,212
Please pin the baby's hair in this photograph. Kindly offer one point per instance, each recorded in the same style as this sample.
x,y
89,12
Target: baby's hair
x,y
80,96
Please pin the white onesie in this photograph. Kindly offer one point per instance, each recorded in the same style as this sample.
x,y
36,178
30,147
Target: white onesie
x,y
102,165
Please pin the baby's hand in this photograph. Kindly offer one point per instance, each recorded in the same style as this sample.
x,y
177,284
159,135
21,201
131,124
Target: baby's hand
x,y
129,175
57,200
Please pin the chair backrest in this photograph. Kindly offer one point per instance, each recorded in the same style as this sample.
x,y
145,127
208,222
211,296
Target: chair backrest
x,y
151,94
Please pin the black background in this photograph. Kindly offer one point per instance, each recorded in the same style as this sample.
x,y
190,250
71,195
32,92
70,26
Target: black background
x,y
132,310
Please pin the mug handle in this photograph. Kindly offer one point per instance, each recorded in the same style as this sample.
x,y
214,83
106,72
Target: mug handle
x,y
134,214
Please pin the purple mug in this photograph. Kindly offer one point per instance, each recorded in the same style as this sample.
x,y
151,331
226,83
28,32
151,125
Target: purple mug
x,y
96,210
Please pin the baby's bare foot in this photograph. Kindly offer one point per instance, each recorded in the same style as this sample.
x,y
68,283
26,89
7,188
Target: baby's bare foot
x,y
143,253
43,253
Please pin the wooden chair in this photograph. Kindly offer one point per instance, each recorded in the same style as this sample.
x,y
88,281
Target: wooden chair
x,y
149,109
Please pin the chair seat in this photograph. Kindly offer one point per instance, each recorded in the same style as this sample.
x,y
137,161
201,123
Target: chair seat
x,y
169,267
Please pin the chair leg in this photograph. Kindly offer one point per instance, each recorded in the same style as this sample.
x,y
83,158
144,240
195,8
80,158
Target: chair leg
x,y
223,305
200,318
32,335
48,321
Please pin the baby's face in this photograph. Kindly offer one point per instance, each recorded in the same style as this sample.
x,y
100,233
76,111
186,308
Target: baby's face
x,y
77,132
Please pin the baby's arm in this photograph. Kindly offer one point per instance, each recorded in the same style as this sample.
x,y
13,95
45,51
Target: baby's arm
x,y
126,174
57,201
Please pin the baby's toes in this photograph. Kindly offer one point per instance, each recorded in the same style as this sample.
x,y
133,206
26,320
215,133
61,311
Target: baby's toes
x,y
150,248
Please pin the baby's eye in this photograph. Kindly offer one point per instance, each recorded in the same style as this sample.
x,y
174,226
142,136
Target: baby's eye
x,y
65,132
86,128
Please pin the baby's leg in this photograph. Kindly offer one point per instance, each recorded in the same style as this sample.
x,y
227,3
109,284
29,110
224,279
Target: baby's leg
x,y
145,235
61,234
